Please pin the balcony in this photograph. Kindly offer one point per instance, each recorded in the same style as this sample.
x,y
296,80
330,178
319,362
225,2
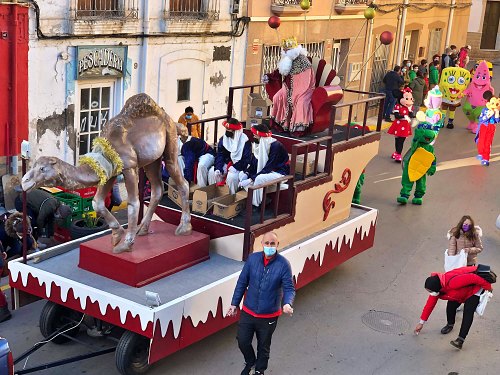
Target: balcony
x,y
351,6
106,10
286,7
192,10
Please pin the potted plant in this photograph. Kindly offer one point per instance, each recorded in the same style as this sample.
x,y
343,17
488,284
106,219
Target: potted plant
x,y
89,224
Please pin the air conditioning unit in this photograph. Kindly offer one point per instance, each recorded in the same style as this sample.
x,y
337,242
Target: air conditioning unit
x,y
235,7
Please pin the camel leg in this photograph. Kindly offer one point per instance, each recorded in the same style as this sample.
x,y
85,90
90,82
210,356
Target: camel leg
x,y
100,208
153,172
131,183
170,158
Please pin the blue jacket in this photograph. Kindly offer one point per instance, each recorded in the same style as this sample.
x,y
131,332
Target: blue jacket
x,y
265,287
191,151
224,156
278,162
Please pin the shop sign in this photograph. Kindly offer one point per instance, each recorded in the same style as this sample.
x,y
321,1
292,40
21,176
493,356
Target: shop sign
x,y
101,61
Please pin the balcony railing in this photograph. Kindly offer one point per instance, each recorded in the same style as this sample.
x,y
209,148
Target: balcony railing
x,y
287,2
192,9
352,2
106,9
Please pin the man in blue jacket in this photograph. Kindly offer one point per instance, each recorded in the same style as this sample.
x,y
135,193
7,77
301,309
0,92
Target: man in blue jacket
x,y
392,81
266,279
269,162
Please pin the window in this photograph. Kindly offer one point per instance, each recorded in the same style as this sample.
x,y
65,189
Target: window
x,y
106,9
183,90
192,9
93,114
336,55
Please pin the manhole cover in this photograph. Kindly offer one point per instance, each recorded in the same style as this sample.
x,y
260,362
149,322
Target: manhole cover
x,y
386,322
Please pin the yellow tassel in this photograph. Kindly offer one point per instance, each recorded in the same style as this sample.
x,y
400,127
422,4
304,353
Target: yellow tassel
x,y
96,167
109,153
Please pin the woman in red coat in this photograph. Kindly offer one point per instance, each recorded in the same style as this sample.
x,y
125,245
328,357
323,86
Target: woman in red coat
x,y
458,286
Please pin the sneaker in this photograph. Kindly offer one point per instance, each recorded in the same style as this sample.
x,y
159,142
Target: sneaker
x,y
4,313
450,125
485,162
446,329
394,155
247,370
259,372
387,119
458,343
398,158
479,157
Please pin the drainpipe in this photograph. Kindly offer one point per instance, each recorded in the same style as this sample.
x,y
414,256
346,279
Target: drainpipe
x,y
450,23
401,36
14,62
144,50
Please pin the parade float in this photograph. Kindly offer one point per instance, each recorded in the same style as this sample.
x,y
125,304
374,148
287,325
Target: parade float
x,y
169,291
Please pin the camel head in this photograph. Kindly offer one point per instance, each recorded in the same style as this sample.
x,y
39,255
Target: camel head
x,y
45,172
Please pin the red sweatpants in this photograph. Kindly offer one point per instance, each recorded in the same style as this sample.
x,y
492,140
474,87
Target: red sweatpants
x,y
486,134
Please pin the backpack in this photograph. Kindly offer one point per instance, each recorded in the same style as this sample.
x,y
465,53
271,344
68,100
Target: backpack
x,y
486,273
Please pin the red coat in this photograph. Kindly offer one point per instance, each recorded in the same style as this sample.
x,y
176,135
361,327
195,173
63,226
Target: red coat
x,y
457,285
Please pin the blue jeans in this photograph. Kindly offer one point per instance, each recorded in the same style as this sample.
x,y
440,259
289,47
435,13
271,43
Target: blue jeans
x,y
390,102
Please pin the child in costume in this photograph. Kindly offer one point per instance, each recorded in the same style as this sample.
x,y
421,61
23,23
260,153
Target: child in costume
x,y
475,102
418,162
453,83
488,120
401,126
432,118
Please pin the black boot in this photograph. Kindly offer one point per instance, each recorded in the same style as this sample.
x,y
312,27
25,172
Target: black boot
x,y
458,343
450,124
446,329
4,313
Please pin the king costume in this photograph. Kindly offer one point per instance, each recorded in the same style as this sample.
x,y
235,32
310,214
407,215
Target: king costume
x,y
291,87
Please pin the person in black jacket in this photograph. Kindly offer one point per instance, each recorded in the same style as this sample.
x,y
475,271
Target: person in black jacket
x,y
267,280
269,162
234,152
392,81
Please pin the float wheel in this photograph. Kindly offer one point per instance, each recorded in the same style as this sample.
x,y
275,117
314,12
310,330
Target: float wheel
x,y
132,354
54,316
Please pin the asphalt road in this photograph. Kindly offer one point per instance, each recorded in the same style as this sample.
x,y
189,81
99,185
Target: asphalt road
x,y
326,335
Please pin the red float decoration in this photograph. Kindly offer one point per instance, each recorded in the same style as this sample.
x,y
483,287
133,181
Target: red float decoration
x,y
386,38
274,22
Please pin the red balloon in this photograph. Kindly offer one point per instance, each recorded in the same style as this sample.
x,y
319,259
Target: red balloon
x,y
274,22
386,38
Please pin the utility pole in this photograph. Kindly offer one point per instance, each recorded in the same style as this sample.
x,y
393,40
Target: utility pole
x,y
401,36
453,5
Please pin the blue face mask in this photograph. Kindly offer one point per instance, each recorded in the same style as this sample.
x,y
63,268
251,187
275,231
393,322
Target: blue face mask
x,y
269,251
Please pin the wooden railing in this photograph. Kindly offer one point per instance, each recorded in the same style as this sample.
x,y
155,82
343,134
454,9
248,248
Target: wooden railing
x,y
278,218
231,95
204,123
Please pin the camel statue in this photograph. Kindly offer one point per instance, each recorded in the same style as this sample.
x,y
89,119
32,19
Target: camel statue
x,y
138,137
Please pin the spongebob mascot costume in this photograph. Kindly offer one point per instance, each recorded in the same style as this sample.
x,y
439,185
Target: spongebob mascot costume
x,y
453,82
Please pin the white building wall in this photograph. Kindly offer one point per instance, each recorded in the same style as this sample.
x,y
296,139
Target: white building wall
x,y
54,93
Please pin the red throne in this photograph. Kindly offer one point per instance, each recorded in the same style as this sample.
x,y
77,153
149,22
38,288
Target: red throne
x,y
157,255
327,93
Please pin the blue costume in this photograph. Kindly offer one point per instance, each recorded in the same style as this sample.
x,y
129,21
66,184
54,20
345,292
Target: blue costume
x,y
278,162
223,157
191,151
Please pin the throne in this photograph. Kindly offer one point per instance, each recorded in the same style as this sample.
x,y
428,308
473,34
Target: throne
x,y
327,93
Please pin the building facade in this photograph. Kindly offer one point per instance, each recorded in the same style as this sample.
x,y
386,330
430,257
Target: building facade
x,y
87,57
483,34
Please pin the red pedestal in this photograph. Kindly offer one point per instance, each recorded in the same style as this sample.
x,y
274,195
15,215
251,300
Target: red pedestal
x,y
157,255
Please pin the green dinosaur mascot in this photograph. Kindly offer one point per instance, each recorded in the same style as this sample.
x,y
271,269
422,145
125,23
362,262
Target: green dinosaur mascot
x,y
418,162
356,198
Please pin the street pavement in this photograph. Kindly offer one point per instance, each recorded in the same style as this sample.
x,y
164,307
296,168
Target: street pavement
x,y
326,334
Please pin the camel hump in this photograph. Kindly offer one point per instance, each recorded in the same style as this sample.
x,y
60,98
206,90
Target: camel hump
x,y
140,106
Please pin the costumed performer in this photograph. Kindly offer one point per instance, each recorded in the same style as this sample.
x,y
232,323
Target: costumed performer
x,y
291,87
432,118
234,153
475,101
269,161
418,162
454,81
401,126
488,120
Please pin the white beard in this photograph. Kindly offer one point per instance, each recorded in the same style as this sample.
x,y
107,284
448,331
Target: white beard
x,y
285,64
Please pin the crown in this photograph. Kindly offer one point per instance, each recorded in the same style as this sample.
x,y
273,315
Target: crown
x,y
290,43
435,92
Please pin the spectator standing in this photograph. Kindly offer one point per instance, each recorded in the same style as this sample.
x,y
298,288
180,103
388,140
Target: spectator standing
x,y
467,236
392,81
418,88
266,280
189,116
463,56
458,286
434,74
423,67
446,60
413,72
454,55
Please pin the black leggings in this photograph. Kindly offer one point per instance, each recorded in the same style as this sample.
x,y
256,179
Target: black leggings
x,y
399,141
468,316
